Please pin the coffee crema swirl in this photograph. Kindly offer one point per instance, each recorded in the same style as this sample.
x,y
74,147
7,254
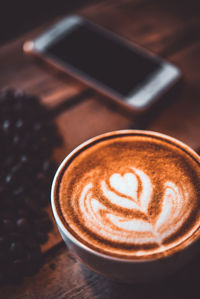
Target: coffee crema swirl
x,y
131,196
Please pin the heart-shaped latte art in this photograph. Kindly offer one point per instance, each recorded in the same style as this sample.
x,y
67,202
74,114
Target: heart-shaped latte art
x,y
125,190
126,184
125,194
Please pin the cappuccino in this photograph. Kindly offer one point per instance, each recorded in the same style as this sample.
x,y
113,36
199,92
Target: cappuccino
x,y
131,195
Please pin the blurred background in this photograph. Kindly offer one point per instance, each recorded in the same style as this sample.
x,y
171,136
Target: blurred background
x,y
20,16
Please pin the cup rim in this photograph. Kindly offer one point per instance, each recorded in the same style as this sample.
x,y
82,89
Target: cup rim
x,y
153,257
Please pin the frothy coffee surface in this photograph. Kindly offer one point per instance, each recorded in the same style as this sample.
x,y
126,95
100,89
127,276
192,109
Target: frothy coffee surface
x,y
130,195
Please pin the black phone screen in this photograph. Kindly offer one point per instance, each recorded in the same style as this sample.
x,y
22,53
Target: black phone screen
x,y
106,59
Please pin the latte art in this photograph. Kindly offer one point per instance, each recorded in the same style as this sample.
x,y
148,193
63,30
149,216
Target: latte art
x,y
132,196
109,223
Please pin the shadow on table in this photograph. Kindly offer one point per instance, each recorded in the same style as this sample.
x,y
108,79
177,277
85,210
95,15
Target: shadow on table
x,y
182,284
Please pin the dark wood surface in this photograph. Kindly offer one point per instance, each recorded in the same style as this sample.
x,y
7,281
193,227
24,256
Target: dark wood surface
x,y
165,29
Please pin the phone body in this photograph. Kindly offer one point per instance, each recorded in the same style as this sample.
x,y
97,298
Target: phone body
x,y
130,75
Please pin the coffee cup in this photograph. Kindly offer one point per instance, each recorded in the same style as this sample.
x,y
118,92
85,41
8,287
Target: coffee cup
x,y
126,204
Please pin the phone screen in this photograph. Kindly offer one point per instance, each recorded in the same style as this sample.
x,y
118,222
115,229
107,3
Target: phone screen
x,y
102,58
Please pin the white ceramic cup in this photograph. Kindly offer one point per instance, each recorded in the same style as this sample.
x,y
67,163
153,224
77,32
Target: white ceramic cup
x,y
126,270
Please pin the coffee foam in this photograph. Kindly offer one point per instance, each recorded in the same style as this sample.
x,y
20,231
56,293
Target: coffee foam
x,y
130,196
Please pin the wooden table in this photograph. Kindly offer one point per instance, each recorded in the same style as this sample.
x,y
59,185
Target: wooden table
x,y
165,28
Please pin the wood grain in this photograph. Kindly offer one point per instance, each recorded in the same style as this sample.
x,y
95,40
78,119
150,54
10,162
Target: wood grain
x,y
182,118
67,278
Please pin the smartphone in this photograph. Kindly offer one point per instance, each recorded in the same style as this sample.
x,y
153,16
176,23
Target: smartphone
x,y
129,74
